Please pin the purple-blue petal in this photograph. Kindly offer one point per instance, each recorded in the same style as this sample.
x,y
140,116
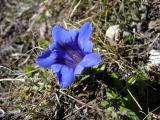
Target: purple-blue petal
x,y
78,70
85,32
63,56
61,35
91,60
54,46
84,37
56,67
66,76
46,59
88,47
74,34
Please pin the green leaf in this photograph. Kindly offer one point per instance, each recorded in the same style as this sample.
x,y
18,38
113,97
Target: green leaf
x,y
131,80
29,68
112,95
114,75
104,103
43,43
142,74
132,115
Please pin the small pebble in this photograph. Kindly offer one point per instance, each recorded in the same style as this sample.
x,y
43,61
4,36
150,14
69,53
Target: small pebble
x,y
2,113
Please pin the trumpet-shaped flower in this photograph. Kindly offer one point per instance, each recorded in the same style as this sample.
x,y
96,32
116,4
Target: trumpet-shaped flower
x,y
70,53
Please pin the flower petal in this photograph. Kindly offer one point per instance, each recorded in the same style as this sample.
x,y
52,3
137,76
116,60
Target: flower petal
x,y
74,34
79,68
61,35
88,47
56,68
54,46
62,55
84,37
85,32
46,59
91,60
66,76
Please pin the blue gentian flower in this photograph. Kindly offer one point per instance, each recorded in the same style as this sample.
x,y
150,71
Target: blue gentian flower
x,y
70,53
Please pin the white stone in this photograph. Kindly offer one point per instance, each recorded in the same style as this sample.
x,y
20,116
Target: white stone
x,y
154,59
111,31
